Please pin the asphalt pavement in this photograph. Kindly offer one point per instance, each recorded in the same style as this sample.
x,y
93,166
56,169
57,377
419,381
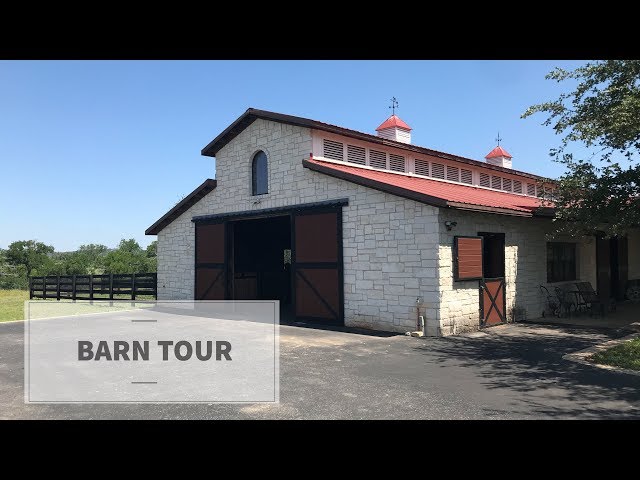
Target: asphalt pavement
x,y
506,372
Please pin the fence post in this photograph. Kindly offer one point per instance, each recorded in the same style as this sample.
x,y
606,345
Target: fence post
x,y
44,287
73,287
91,287
58,287
111,286
30,288
133,286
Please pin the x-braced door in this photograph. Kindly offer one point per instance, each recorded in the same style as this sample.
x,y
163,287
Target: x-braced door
x,y
317,266
492,301
211,265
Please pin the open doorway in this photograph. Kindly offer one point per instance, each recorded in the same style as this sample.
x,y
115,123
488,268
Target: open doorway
x,y
492,254
492,285
260,260
291,255
612,264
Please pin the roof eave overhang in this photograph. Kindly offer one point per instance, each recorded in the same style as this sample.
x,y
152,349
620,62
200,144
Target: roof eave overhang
x,y
421,197
185,204
376,185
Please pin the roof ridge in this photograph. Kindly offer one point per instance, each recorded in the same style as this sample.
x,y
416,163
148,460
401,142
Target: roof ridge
x,y
250,115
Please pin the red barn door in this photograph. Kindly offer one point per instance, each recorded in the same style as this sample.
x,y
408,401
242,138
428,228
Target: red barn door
x,y
211,266
317,266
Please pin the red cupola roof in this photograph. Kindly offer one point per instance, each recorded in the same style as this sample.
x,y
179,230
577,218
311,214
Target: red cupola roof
x,y
393,121
498,152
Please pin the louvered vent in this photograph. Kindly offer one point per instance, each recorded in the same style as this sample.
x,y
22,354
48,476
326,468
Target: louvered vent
x,y
396,163
550,193
437,170
485,180
506,184
377,159
356,155
496,182
453,174
540,192
422,167
517,186
466,176
332,150
531,189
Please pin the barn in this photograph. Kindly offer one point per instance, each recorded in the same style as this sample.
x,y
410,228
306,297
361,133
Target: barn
x,y
369,230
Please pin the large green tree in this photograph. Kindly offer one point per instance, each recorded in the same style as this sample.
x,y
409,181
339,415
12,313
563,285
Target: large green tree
x,y
88,259
152,249
129,257
30,254
11,276
602,113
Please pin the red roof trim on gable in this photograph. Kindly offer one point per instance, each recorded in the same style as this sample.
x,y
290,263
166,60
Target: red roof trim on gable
x,y
433,192
498,152
393,121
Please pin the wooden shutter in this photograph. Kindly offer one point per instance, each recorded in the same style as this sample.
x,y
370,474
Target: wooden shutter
x,y
467,258
211,265
317,265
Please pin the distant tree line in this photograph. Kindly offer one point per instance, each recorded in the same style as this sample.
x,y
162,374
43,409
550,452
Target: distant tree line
x,y
26,258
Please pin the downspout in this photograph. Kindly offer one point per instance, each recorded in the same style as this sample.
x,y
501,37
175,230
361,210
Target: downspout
x,y
420,323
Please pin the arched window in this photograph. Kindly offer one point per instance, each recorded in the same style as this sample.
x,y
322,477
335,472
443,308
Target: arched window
x,y
260,174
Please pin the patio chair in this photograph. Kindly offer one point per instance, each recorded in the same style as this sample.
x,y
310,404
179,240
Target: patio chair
x,y
553,305
565,302
591,301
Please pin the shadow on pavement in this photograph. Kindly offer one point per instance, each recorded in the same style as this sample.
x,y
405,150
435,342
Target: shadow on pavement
x,y
531,362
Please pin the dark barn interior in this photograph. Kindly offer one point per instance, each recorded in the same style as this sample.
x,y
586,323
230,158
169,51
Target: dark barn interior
x,y
492,254
292,255
261,259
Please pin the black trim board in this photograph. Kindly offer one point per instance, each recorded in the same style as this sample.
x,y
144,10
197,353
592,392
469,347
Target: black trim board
x,y
246,214
185,204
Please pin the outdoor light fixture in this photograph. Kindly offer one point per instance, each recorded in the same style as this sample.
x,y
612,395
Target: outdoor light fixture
x,y
450,225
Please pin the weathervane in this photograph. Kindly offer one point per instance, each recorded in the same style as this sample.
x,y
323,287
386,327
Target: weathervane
x,y
394,105
498,139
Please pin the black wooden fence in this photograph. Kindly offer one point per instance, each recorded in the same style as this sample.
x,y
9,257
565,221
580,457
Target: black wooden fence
x,y
94,287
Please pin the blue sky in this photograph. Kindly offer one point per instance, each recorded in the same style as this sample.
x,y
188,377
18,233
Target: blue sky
x,y
96,151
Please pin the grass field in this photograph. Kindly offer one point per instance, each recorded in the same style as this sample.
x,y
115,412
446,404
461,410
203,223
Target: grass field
x,y
12,304
625,355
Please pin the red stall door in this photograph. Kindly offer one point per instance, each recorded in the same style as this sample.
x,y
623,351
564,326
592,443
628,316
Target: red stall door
x,y
210,265
318,266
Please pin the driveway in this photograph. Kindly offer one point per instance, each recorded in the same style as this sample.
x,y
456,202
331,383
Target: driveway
x,y
506,372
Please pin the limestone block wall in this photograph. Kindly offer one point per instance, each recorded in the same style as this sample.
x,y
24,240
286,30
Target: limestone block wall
x,y
390,244
525,266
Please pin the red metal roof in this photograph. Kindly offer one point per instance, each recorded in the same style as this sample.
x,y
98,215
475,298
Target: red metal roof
x,y
498,152
436,192
393,121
